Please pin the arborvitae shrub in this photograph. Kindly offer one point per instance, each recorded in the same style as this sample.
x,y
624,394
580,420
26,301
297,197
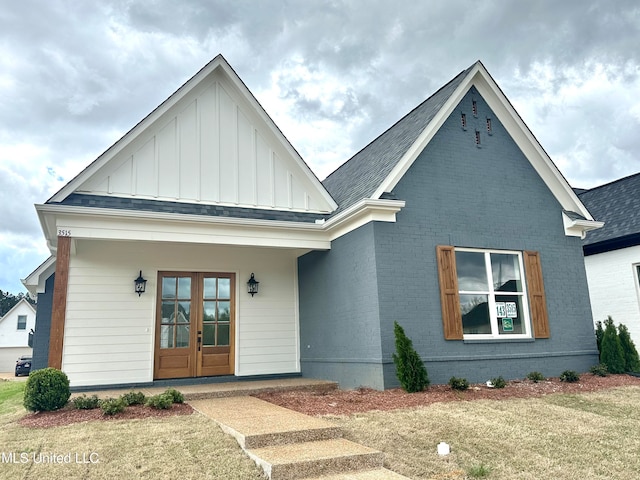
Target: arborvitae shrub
x,y
535,377
612,354
410,368
86,403
133,398
569,376
599,335
458,383
630,354
46,390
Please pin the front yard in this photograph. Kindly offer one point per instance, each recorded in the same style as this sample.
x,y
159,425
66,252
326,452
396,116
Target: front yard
x,y
560,436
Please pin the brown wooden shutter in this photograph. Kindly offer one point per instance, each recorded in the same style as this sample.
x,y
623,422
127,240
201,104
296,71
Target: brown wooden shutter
x,y
449,298
537,299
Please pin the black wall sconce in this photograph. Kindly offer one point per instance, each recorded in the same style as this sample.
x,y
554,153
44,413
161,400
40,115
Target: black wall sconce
x,y
141,284
252,285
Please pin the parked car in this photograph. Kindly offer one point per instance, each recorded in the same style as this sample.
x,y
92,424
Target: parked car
x,y
23,365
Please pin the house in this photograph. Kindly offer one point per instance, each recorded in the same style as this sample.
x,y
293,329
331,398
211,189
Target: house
x,y
612,254
454,222
15,326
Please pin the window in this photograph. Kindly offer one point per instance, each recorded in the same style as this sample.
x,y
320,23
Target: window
x,y
491,294
22,322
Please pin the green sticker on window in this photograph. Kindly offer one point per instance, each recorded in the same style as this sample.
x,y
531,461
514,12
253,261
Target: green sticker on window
x,y
507,324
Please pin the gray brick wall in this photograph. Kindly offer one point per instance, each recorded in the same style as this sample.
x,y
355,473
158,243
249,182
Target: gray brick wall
x,y
490,196
458,194
43,326
339,324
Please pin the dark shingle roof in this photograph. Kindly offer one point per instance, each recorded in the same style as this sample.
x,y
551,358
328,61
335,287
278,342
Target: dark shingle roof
x,y
618,205
144,205
360,176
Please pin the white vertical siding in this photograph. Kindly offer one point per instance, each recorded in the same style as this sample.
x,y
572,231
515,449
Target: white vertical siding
x,y
109,330
613,288
212,147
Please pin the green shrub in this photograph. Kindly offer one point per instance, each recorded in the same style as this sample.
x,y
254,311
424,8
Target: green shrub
x,y
86,403
630,354
600,370
46,390
599,335
410,368
111,406
535,377
498,382
569,376
175,395
133,398
458,383
612,354
161,401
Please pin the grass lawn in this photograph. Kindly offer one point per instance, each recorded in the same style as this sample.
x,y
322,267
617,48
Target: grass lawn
x,y
184,447
587,436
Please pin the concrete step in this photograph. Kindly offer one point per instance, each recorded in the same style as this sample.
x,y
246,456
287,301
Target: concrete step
x,y
377,474
259,424
313,459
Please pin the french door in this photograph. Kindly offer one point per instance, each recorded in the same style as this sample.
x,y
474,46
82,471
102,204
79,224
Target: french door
x,y
195,324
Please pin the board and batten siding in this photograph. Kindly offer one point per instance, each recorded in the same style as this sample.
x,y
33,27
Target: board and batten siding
x,y
109,330
213,148
613,288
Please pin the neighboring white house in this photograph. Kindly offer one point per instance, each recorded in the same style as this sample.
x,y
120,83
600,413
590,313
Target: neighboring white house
x,y
612,253
14,334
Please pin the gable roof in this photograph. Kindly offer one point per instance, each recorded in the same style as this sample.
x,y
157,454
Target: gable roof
x,y
15,307
376,169
175,153
618,204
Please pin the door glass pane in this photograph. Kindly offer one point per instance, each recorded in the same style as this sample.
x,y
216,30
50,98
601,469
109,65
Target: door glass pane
x,y
224,288
209,335
182,336
168,311
209,287
209,313
475,314
184,312
505,269
184,287
169,287
223,334
166,336
509,312
472,272
224,309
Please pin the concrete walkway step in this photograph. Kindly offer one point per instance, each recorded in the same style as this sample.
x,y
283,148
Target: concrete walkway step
x,y
260,424
309,459
377,474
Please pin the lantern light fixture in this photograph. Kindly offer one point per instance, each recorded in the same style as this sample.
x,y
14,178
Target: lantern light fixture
x,y
140,284
252,285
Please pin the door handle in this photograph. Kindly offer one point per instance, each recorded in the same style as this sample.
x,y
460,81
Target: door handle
x,y
199,341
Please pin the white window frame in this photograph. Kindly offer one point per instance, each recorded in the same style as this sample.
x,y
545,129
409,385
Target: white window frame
x,y
18,323
636,278
491,295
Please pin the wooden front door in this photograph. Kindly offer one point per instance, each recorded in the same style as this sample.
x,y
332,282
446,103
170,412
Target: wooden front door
x,y
195,324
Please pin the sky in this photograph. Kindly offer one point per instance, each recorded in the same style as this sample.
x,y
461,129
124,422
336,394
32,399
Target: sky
x,y
75,76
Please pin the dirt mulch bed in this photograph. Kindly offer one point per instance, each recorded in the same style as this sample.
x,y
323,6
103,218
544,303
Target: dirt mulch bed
x,y
69,415
345,402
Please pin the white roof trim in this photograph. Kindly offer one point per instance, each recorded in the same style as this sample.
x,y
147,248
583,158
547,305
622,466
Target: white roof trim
x,y
578,227
515,126
218,62
15,307
35,281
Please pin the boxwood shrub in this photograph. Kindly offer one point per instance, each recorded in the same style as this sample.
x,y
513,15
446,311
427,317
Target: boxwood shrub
x,y
46,389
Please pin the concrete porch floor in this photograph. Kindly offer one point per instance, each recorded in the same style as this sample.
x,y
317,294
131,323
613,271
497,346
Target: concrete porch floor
x,y
226,389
